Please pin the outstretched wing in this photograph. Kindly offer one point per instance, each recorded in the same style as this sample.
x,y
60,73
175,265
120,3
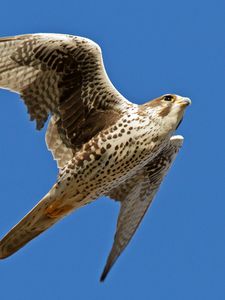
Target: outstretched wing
x,y
136,195
64,76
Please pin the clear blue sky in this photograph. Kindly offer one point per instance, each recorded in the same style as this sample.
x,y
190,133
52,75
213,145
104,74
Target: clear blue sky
x,y
150,48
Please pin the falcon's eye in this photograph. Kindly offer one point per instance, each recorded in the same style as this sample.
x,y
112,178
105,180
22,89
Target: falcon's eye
x,y
168,98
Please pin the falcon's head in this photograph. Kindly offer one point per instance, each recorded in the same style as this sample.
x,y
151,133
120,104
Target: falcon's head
x,y
169,110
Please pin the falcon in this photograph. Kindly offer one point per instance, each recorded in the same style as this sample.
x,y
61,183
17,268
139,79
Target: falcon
x,y
103,144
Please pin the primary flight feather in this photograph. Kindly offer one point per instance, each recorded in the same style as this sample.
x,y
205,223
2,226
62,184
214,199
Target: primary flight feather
x,y
103,143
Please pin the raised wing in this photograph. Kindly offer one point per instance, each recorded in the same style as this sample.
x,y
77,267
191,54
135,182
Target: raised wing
x,y
62,75
136,195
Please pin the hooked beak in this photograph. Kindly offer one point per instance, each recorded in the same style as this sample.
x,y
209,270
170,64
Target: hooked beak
x,y
184,101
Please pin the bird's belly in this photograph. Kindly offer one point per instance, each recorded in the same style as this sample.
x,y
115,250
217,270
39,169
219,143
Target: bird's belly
x,y
103,166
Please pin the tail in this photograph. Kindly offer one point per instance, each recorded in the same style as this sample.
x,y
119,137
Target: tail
x,y
45,214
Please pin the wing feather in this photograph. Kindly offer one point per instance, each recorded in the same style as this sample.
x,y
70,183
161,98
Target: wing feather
x,y
61,153
136,195
61,75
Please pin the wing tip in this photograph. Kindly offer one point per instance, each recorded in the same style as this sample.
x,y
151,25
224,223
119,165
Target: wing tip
x,y
109,263
104,274
102,278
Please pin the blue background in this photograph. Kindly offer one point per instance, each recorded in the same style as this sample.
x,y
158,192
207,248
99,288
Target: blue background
x,y
149,48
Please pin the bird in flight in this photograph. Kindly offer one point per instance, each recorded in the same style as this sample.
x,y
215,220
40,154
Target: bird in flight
x,y
103,144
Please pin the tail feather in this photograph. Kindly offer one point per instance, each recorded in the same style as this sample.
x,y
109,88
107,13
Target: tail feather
x,y
46,213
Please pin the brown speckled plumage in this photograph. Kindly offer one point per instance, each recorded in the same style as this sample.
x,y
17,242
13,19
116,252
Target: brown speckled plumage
x,y
103,144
